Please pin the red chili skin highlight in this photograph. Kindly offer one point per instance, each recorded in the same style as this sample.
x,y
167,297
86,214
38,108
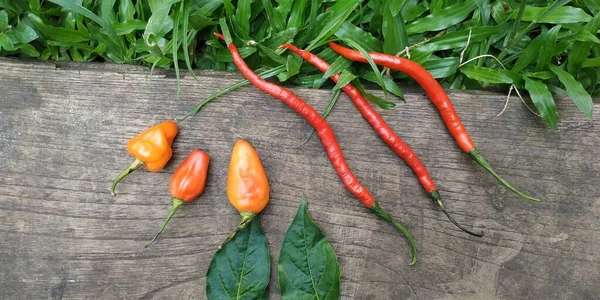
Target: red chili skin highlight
x,y
386,133
438,97
326,135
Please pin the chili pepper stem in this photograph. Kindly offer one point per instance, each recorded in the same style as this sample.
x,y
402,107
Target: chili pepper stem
x,y
247,217
136,164
435,196
476,155
176,204
382,214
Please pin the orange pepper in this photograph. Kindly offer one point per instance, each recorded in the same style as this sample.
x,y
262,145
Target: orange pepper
x,y
187,183
247,184
151,148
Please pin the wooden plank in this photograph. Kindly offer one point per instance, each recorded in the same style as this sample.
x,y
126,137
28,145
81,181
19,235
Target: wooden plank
x,y
62,136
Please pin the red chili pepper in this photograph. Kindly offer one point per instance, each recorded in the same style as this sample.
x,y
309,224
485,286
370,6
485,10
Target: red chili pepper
x,y
187,183
385,132
438,97
328,139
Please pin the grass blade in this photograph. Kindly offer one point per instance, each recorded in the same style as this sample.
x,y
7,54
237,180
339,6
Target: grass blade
x,y
575,90
341,11
543,101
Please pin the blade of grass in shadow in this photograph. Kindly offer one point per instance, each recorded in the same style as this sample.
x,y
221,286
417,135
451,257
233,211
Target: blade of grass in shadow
x,y
174,40
114,39
185,26
330,105
266,74
341,11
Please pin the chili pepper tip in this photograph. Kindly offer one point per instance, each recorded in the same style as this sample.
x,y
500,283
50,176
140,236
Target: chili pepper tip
x,y
219,35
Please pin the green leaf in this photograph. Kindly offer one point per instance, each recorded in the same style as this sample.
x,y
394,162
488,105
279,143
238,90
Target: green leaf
x,y
340,64
450,16
372,98
548,40
390,84
544,75
440,68
458,39
354,43
273,16
242,16
543,101
341,10
367,42
580,50
281,37
126,10
308,267
158,25
242,268
330,104
28,49
128,27
225,56
345,77
3,21
561,15
68,36
115,45
296,19
6,43
484,74
394,30
23,33
575,91
593,6
591,63
292,66
535,49
586,36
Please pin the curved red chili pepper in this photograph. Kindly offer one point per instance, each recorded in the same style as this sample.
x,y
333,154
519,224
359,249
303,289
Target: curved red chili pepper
x,y
385,132
327,136
438,97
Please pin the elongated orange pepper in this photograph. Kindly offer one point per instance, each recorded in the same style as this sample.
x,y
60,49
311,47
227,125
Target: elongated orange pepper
x,y
187,183
247,184
151,148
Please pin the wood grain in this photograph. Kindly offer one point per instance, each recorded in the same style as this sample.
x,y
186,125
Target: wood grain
x,y
63,129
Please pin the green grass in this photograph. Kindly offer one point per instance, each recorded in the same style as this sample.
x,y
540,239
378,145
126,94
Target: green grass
x,y
544,48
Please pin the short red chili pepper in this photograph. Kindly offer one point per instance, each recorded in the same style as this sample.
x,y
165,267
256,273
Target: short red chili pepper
x,y
385,132
151,148
187,183
327,137
438,97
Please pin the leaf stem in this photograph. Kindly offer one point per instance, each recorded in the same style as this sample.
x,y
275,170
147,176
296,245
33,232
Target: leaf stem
x,y
176,204
136,164
382,214
476,155
435,196
247,217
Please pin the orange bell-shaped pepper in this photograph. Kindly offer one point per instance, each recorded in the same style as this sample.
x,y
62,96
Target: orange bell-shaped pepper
x,y
187,183
151,148
247,184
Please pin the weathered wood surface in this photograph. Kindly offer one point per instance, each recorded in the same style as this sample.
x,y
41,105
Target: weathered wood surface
x,y
62,136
